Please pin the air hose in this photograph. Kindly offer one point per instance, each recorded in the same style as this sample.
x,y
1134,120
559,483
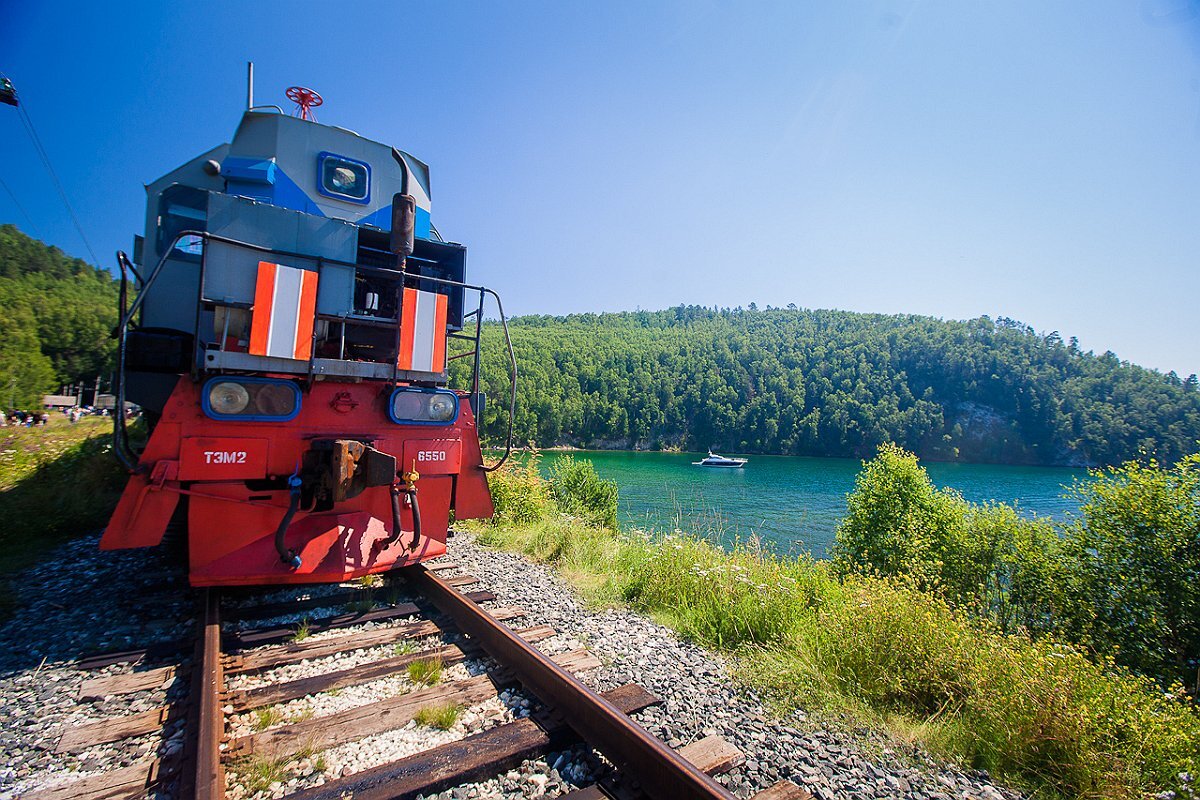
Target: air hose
x,y
287,556
408,487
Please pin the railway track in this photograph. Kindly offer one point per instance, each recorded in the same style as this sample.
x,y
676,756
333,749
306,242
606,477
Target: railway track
x,y
246,664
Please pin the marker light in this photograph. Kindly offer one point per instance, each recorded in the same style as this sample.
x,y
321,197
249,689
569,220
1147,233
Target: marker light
x,y
413,406
251,399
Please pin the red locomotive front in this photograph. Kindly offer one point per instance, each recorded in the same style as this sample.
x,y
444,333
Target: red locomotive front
x,y
289,340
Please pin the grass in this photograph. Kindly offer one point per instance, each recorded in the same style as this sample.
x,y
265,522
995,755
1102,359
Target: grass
x,y
404,647
441,717
303,630
266,717
1039,714
360,606
56,483
364,588
259,772
425,672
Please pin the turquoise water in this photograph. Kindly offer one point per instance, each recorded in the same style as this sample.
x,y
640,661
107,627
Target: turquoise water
x,y
794,502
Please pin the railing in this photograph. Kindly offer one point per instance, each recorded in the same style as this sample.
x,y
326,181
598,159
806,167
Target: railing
x,y
202,355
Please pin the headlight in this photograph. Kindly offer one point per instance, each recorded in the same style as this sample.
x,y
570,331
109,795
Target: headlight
x,y
251,399
228,397
413,406
443,408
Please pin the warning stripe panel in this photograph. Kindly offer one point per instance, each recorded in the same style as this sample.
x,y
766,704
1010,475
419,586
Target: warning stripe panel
x,y
423,331
284,315
408,318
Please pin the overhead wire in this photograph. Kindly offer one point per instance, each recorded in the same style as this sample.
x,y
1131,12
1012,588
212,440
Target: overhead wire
x,y
41,151
32,228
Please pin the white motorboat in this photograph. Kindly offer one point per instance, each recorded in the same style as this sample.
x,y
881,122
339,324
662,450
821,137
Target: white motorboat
x,y
715,460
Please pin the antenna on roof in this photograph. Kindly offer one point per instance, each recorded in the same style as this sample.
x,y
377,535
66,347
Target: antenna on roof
x,y
249,85
306,100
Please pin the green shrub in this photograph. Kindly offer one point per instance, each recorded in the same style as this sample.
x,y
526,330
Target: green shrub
x,y
1123,580
519,493
746,597
580,492
1130,572
899,523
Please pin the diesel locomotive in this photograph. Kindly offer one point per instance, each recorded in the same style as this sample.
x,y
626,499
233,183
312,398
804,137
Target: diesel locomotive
x,y
286,326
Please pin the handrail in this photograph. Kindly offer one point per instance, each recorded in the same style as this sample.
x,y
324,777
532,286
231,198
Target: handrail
x,y
512,401
120,433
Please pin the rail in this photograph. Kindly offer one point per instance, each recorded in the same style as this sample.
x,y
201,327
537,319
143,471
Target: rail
x,y
660,771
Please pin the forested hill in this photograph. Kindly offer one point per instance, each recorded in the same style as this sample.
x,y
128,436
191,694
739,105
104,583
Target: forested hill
x,y
835,383
56,313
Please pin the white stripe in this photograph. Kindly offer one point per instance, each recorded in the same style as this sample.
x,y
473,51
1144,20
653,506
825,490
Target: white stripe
x,y
423,323
285,313
274,303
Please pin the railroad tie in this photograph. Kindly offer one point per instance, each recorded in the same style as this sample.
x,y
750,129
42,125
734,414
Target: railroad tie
x,y
281,633
320,733
336,599
132,781
272,694
99,688
784,790
476,757
77,738
242,640
274,656
711,755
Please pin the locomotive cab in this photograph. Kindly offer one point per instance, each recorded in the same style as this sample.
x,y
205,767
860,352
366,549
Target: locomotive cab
x,y
289,340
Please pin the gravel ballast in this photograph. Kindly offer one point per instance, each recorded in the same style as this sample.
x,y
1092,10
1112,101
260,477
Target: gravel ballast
x,y
81,600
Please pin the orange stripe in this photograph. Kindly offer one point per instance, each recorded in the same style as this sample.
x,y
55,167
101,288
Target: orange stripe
x,y
307,318
260,319
439,334
408,322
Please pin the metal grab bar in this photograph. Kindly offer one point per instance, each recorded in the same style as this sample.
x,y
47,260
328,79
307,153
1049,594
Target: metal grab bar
x,y
121,446
512,389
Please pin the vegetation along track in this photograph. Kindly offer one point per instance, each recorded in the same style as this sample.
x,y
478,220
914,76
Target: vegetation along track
x,y
423,624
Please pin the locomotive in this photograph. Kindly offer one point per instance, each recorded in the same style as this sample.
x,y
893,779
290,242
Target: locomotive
x,y
293,313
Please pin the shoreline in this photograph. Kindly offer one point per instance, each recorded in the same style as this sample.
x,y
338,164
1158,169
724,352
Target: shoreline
x,y
570,449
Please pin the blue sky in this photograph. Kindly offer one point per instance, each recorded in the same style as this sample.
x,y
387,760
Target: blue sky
x,y
1034,160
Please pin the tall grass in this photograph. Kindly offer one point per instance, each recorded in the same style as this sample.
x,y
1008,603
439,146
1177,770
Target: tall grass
x,y
1043,715
56,483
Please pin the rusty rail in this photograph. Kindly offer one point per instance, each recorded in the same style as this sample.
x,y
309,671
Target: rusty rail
x,y
660,771
209,774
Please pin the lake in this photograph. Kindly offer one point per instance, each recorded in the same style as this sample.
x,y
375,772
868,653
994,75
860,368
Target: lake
x,y
794,502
